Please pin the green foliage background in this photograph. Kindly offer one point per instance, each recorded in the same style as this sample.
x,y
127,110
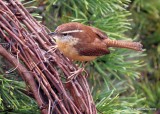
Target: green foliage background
x,y
124,81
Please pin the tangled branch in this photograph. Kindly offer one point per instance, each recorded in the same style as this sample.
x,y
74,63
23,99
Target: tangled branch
x,y
43,68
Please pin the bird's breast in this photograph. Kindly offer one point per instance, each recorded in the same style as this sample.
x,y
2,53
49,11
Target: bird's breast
x,y
71,52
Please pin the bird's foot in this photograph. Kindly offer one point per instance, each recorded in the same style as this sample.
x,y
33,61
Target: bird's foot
x,y
74,74
52,48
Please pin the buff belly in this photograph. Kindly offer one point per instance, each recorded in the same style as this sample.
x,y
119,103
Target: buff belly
x,y
69,51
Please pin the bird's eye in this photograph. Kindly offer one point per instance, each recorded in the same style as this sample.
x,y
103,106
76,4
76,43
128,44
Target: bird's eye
x,y
65,34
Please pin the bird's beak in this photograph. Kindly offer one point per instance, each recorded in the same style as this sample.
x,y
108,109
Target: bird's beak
x,y
52,33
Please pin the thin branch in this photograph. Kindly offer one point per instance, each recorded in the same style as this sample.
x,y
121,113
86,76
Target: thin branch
x,y
42,69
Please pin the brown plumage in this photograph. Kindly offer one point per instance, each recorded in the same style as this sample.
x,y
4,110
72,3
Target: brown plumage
x,y
85,43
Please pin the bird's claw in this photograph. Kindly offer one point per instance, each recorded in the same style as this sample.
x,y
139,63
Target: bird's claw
x,y
53,48
74,74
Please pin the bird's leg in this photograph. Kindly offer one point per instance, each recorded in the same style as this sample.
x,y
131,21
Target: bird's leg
x,y
74,74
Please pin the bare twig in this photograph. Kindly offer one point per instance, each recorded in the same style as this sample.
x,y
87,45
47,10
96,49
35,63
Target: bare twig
x,y
30,40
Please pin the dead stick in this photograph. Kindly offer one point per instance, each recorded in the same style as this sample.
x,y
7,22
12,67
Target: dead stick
x,y
25,74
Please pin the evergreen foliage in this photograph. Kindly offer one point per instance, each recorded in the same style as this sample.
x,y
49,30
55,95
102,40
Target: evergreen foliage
x,y
146,26
12,98
114,78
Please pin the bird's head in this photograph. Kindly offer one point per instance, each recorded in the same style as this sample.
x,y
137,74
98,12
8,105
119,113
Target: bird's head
x,y
67,32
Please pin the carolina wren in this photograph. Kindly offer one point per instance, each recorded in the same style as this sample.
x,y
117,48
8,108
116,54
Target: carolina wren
x,y
84,43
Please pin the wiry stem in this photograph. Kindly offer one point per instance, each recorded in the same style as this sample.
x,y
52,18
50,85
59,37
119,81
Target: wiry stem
x,y
41,68
124,44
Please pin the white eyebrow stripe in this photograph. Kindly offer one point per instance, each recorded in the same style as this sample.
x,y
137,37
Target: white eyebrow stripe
x,y
72,31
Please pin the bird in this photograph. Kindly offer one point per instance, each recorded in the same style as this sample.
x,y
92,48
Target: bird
x,y
81,42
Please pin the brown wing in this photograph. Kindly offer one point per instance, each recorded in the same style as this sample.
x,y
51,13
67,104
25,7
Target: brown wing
x,y
101,34
86,36
87,49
